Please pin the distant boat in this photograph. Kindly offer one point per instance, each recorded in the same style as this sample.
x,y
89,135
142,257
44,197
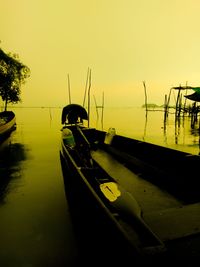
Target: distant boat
x,y
7,123
94,162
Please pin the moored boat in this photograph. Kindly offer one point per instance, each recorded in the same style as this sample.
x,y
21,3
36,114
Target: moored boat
x,y
7,123
139,191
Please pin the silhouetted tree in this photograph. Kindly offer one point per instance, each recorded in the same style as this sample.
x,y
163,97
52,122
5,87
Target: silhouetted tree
x,y
12,75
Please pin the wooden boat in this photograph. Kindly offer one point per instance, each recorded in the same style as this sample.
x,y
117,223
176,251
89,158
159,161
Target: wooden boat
x,y
146,197
7,123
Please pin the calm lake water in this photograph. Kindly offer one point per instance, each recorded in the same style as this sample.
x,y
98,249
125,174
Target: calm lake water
x,y
150,127
35,225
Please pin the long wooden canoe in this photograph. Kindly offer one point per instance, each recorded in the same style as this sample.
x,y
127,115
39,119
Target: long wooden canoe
x,y
143,196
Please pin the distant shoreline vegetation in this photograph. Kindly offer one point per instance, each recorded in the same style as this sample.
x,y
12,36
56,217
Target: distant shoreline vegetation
x,y
151,105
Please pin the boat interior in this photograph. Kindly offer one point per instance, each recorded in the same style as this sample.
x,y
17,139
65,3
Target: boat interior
x,y
162,181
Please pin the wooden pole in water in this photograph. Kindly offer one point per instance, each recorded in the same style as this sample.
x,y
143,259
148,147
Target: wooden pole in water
x,y
96,107
165,110
86,85
178,102
168,101
69,89
145,94
89,98
102,110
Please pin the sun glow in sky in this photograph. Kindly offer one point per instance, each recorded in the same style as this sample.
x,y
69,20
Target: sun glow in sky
x,y
123,42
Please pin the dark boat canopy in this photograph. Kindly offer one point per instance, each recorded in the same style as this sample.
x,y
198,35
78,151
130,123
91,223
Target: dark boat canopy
x,y
195,96
73,113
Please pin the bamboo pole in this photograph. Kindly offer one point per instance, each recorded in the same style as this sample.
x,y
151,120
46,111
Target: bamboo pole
x,y
86,85
102,111
177,102
165,111
145,94
96,107
89,98
69,89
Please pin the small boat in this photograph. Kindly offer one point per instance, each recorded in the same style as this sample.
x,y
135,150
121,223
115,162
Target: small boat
x,y
7,124
138,192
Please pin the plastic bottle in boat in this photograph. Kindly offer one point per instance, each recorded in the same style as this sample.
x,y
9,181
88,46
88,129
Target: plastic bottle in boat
x,y
68,137
109,136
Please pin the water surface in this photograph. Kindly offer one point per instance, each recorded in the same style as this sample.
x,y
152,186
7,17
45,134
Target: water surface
x,y
35,226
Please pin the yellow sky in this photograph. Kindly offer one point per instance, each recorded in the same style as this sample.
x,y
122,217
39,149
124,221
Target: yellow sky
x,y
124,42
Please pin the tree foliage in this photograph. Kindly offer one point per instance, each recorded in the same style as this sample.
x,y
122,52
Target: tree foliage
x,y
13,74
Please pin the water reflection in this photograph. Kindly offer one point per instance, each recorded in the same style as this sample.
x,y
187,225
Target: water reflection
x,y
186,128
145,124
177,127
11,156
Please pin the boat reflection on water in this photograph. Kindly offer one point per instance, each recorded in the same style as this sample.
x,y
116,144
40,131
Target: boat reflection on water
x,y
11,156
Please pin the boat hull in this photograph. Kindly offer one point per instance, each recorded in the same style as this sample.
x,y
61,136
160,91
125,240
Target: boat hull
x,y
8,126
137,242
96,233
157,191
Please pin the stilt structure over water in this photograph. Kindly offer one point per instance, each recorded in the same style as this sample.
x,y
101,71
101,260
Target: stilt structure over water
x,y
180,106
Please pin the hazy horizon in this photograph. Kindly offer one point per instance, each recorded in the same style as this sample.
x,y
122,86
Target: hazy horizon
x,y
123,42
